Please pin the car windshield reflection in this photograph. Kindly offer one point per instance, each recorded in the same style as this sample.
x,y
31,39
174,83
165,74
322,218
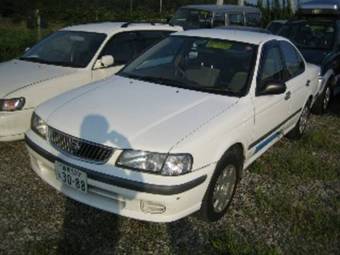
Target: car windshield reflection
x,y
66,48
203,64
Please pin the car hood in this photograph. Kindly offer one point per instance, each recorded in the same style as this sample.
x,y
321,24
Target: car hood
x,y
125,113
314,56
17,74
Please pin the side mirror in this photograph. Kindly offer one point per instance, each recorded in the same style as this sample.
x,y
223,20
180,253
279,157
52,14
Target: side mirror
x,y
104,61
27,49
168,19
273,88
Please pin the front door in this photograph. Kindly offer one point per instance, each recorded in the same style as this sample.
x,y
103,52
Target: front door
x,y
122,47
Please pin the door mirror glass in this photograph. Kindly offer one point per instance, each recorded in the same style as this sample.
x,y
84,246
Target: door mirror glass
x,y
273,88
27,49
104,62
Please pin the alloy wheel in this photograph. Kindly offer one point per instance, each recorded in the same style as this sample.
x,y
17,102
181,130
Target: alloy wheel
x,y
304,119
327,98
224,187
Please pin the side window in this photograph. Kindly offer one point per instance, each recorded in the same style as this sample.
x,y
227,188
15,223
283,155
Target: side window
x,y
146,39
294,63
236,19
219,20
337,43
123,47
272,68
127,45
253,19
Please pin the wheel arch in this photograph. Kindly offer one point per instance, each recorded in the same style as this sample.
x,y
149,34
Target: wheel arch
x,y
239,148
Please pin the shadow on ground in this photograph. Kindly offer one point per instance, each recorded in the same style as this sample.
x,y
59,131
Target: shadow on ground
x,y
87,230
335,106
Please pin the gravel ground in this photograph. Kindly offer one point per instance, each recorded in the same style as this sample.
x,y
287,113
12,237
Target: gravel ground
x,y
35,219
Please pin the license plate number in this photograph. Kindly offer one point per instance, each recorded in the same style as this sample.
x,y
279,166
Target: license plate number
x,y
71,177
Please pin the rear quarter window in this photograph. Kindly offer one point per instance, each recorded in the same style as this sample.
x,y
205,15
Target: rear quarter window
x,y
236,19
253,19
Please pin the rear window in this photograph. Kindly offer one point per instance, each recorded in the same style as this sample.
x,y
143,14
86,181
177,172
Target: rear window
x,y
314,34
253,19
236,19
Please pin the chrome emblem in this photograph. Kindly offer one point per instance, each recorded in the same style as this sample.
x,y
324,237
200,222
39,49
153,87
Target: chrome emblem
x,y
75,145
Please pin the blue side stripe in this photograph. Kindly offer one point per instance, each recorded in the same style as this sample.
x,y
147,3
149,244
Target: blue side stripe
x,y
265,142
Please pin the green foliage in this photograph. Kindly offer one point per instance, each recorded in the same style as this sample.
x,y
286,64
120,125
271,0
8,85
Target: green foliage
x,y
75,11
14,42
234,244
15,38
274,9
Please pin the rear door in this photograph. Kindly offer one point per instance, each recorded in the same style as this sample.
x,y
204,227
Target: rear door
x,y
271,111
296,79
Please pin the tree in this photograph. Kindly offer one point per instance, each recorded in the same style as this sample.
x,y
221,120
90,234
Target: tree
x,y
276,9
293,4
260,5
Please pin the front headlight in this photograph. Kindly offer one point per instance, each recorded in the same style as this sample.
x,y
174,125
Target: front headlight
x,y
157,163
39,126
13,104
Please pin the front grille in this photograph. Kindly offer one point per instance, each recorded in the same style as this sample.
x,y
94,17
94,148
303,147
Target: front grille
x,y
79,148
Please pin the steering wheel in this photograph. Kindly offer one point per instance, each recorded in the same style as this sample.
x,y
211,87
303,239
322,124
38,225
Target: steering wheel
x,y
179,71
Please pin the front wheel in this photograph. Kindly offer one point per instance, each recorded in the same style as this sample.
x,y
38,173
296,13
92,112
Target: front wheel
x,y
222,187
301,125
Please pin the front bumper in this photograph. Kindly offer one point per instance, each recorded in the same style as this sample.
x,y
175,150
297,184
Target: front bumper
x,y
127,193
13,125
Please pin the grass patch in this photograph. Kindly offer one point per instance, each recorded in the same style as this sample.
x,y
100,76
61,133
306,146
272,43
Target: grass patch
x,y
302,194
308,218
232,244
315,157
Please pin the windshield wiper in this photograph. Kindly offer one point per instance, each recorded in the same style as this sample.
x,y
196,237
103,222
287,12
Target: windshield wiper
x,y
224,91
159,80
33,59
181,84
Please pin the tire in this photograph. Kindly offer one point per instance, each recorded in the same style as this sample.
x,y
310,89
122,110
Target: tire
x,y
322,103
222,186
300,127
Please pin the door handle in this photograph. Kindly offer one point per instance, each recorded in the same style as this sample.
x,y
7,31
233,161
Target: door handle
x,y
308,83
288,94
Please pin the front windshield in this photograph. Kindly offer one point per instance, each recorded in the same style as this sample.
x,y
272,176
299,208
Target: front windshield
x,y
310,34
203,64
66,48
192,18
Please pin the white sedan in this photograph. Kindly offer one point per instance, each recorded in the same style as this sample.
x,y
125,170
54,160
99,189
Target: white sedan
x,y
172,133
65,60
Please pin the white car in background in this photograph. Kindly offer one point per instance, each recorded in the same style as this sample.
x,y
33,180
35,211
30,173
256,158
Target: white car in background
x,y
172,133
65,60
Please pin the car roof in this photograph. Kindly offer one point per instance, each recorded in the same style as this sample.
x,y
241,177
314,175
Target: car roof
x,y
320,7
114,27
221,8
323,4
246,28
232,35
281,21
